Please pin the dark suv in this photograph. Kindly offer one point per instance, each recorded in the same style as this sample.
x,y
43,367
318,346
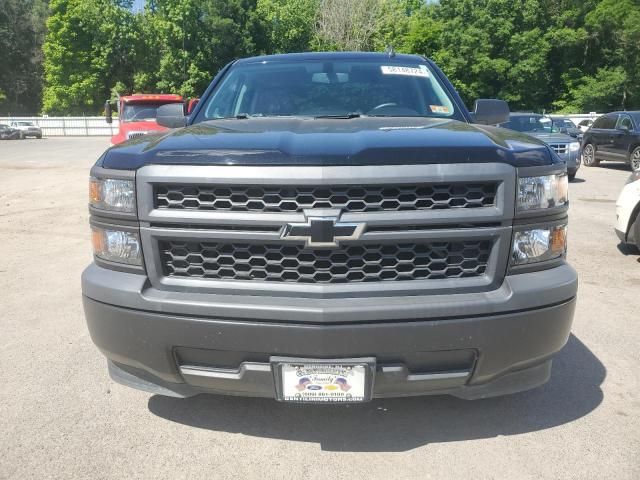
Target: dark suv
x,y
613,137
544,128
330,227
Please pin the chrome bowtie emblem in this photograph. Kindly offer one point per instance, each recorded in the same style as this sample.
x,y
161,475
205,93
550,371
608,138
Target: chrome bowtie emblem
x,y
322,229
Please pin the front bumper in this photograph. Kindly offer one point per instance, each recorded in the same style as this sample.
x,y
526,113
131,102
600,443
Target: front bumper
x,y
573,160
31,133
470,345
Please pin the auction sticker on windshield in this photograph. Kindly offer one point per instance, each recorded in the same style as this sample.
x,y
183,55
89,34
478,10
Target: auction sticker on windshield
x,y
411,71
323,382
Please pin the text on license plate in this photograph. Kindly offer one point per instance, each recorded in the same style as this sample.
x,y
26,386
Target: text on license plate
x,y
316,382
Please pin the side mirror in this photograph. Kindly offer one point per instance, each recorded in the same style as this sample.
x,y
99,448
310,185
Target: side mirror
x,y
108,112
192,104
490,111
171,115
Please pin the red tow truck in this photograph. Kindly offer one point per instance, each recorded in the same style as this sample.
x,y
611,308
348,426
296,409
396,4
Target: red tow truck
x,y
138,114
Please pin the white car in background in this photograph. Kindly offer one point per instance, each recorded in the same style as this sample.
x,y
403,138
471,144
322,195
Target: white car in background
x,y
628,212
584,125
27,129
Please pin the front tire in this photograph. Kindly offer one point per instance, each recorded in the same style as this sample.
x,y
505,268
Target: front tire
x,y
634,160
572,177
589,156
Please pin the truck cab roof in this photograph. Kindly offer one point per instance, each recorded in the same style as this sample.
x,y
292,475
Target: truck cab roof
x,y
151,97
306,56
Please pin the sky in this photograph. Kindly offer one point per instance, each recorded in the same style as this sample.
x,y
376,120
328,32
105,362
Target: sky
x,y
137,5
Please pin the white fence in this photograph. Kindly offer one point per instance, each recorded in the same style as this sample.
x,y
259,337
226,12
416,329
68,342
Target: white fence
x,y
97,126
69,126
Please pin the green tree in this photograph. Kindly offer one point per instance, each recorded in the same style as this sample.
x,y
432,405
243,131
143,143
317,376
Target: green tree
x,y
195,38
614,71
577,55
21,34
604,91
289,24
90,45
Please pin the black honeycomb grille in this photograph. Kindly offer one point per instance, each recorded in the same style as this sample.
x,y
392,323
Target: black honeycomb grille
x,y
365,198
346,264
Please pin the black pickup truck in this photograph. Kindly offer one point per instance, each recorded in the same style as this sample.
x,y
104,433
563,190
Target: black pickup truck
x,y
330,227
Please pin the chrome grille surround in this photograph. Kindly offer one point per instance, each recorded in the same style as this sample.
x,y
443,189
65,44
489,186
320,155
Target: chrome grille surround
x,y
559,148
131,135
348,198
489,227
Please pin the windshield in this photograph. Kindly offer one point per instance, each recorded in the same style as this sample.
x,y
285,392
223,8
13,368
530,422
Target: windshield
x,y
563,124
139,112
25,124
330,88
533,123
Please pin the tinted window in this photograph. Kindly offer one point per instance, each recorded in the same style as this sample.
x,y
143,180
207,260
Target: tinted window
x,y
528,123
624,122
335,87
564,123
606,122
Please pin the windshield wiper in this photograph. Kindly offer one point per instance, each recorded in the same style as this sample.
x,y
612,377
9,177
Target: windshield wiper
x,y
345,116
239,116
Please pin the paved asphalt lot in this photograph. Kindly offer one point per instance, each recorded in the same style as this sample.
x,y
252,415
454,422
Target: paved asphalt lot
x,y
62,417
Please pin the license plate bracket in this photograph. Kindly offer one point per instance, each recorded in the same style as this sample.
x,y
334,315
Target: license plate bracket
x,y
313,380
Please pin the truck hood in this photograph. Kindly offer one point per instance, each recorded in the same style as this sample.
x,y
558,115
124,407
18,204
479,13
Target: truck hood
x,y
324,142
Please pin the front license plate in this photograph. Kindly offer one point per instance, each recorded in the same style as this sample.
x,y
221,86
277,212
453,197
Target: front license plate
x,y
323,380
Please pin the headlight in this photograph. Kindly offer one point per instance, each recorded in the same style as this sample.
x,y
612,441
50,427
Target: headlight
x,y
539,244
574,146
112,194
116,245
546,191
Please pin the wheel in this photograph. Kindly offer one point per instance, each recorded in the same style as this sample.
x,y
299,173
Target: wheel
x,y
589,156
39,137
634,160
572,176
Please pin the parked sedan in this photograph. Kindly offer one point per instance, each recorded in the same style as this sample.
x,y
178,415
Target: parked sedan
x,y
27,129
628,211
8,133
539,126
613,137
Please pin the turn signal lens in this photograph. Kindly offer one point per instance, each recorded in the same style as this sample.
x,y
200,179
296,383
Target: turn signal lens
x,y
539,244
116,245
95,191
558,244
